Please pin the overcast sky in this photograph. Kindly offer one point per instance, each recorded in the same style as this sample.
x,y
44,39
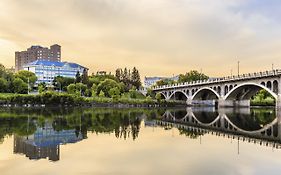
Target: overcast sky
x,y
159,37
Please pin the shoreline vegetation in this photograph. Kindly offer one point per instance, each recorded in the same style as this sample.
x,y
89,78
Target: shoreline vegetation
x,y
56,99
63,99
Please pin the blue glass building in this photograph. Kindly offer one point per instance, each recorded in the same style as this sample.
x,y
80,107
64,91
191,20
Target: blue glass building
x,y
46,70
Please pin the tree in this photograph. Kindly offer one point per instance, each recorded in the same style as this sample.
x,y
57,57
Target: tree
x,y
77,77
101,94
85,78
106,85
80,88
41,87
133,93
3,85
192,75
263,94
27,77
61,83
118,74
20,86
135,78
158,97
125,77
71,89
114,93
94,90
150,93
165,82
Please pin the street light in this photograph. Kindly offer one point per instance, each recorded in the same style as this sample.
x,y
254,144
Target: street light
x,y
238,68
28,85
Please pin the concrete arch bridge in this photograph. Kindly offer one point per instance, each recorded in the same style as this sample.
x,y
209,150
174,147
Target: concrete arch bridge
x,y
229,91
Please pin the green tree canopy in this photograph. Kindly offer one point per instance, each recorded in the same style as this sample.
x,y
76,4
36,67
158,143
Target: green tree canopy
x,y
3,85
192,75
20,86
62,82
106,85
26,76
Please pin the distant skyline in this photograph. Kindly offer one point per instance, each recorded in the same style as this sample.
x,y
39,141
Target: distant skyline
x,y
159,37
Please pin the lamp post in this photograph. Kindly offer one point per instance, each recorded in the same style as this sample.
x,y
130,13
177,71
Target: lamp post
x,y
28,85
238,68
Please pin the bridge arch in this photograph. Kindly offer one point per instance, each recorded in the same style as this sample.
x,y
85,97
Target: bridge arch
x,y
205,94
246,91
179,95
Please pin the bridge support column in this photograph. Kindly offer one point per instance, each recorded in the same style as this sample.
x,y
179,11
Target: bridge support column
x,y
278,115
278,102
234,103
189,102
221,102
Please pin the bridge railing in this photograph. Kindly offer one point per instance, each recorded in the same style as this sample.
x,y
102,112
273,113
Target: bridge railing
x,y
223,79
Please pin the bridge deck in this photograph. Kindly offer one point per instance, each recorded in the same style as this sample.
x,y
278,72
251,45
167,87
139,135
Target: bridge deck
x,y
242,77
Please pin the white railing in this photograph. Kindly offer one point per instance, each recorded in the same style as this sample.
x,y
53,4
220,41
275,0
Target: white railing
x,y
223,79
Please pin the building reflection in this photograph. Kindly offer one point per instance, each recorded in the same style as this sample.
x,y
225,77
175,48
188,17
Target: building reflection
x,y
45,143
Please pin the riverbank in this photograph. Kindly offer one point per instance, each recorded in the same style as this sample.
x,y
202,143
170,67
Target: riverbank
x,y
64,99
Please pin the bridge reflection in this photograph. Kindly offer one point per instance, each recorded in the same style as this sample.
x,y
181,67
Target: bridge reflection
x,y
249,125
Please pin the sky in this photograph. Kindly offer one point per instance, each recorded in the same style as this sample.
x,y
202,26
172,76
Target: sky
x,y
159,37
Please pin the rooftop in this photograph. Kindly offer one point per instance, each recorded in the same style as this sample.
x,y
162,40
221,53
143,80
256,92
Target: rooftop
x,y
54,63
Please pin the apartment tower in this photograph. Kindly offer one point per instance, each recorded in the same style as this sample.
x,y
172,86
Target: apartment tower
x,y
37,53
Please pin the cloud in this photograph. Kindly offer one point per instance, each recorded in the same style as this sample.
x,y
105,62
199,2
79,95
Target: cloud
x,y
161,37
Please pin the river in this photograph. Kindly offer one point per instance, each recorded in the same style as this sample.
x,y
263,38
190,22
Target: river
x,y
86,141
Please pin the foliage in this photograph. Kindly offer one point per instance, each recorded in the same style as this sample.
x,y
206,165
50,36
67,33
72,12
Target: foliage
x,y
85,78
263,98
135,78
192,75
165,82
128,77
41,87
3,84
101,94
78,88
20,86
150,93
106,85
114,92
26,76
61,83
158,97
78,77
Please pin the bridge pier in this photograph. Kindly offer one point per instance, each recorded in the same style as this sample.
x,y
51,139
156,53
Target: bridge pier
x,y
234,103
189,102
278,101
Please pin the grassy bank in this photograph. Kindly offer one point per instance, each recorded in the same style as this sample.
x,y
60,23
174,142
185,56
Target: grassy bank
x,y
64,99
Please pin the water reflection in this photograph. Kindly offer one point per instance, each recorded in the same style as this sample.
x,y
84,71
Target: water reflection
x,y
45,142
260,126
38,133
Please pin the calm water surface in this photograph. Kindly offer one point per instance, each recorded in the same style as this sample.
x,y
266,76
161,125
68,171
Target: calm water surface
x,y
140,141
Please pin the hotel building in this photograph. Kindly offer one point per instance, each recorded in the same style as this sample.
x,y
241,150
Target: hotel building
x,y
46,70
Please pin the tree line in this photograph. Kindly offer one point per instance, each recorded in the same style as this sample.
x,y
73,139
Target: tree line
x,y
16,82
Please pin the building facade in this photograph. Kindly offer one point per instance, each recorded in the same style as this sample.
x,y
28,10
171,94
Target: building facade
x,y
46,70
37,53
